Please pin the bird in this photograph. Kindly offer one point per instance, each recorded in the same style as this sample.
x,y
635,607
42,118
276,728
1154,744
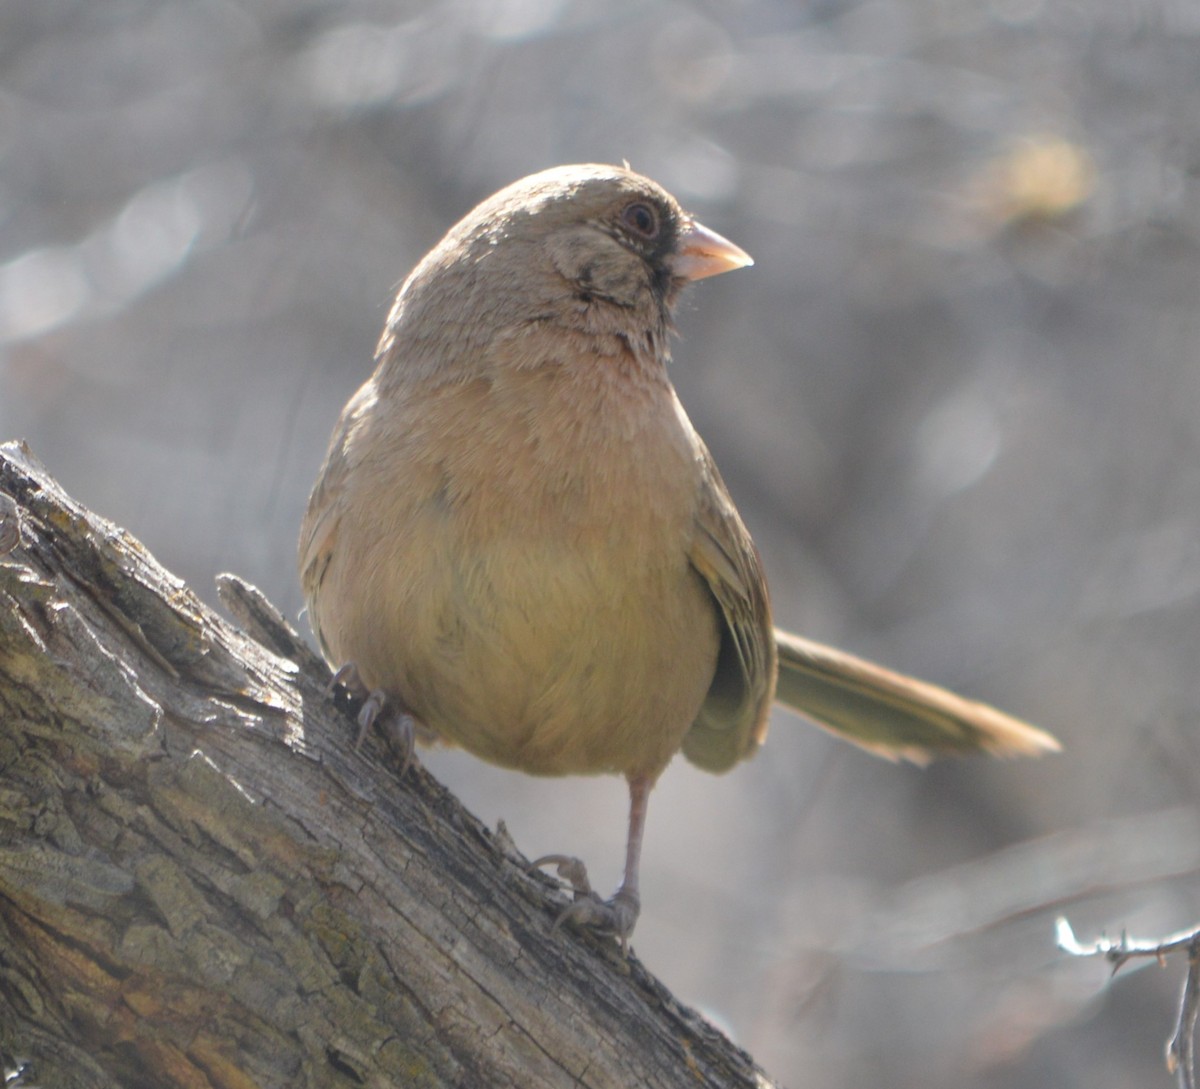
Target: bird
x,y
519,545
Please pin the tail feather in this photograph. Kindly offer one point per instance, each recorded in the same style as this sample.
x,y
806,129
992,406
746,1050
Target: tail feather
x,y
891,715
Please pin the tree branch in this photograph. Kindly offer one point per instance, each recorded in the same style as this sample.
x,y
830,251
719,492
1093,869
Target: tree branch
x,y
1180,1051
203,885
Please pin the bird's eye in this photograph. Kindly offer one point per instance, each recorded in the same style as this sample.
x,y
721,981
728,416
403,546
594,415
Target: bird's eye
x,y
641,218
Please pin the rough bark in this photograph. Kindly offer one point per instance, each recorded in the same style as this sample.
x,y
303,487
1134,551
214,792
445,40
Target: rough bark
x,y
202,884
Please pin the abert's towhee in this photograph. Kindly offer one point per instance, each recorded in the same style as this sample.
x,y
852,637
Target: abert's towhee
x,y
518,543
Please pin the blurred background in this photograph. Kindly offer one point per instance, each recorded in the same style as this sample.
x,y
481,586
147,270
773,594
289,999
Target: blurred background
x,y
956,400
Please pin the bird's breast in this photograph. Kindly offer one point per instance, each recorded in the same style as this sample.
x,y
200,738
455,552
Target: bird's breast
x,y
529,593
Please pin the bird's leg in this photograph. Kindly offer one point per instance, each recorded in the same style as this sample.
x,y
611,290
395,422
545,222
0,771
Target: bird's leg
x,y
389,716
619,914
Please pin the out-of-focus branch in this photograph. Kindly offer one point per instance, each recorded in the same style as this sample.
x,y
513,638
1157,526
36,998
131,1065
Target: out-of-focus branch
x,y
1180,1053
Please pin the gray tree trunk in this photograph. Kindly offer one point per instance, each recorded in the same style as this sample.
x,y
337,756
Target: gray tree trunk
x,y
202,885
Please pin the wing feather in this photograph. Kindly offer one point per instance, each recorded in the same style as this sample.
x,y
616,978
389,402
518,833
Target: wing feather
x,y
732,722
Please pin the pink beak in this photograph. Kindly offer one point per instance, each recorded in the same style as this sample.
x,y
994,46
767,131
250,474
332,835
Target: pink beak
x,y
700,252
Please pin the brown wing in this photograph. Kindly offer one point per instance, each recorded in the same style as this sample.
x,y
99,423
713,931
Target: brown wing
x,y
732,722
891,715
319,530
318,535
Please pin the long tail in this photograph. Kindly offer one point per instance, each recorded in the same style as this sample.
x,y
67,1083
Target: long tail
x,y
891,715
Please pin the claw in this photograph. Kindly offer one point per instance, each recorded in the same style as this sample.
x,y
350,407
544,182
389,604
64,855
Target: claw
x,y
616,916
570,869
367,714
398,726
347,677
400,732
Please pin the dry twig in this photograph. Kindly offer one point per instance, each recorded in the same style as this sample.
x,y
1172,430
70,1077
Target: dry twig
x,y
1181,1046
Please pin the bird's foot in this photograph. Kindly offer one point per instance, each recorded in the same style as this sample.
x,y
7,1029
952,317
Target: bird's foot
x,y
616,916
347,678
398,727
